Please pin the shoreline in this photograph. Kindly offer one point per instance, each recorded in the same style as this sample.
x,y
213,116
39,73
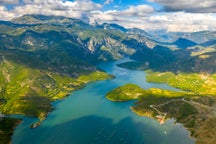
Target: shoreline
x,y
45,114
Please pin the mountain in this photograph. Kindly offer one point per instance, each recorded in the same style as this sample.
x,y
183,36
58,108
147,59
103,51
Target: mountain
x,y
209,43
156,57
52,20
137,31
116,27
184,43
170,37
97,43
200,37
165,36
186,61
112,26
43,58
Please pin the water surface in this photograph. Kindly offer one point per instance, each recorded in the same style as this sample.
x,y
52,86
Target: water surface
x,y
87,117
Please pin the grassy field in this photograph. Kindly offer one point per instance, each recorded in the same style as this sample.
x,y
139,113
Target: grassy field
x,y
199,83
125,93
29,91
97,75
133,92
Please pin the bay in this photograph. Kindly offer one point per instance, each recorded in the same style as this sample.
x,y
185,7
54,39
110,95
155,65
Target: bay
x,y
87,117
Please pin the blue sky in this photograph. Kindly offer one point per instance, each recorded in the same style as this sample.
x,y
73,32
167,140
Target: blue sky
x,y
170,15
122,4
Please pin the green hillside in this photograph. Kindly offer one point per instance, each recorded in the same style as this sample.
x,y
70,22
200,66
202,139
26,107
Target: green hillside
x,y
194,111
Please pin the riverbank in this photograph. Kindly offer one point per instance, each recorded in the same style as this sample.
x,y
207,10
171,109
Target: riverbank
x,y
39,106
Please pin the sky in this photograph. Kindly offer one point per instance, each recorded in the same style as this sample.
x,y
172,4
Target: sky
x,y
169,15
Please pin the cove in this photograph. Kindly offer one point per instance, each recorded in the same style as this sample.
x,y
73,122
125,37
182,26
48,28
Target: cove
x,y
87,117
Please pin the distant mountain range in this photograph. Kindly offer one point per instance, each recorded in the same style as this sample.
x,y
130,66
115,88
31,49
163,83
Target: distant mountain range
x,y
71,47
169,37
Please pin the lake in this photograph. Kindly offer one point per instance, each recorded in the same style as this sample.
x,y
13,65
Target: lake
x,y
87,117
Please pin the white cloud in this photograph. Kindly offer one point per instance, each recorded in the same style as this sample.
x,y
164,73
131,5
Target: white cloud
x,y
130,13
108,2
140,16
139,10
134,16
78,9
4,14
182,21
204,6
175,22
64,5
11,2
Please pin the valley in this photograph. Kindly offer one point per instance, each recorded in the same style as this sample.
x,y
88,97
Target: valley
x,y
44,59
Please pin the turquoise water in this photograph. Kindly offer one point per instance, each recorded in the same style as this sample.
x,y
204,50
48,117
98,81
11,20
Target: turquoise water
x,y
87,117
